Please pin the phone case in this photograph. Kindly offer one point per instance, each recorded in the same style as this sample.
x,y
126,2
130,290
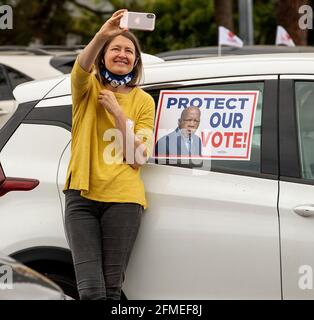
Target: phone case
x,y
138,21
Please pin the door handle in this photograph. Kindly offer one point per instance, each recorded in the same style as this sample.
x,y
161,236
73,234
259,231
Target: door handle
x,y
304,210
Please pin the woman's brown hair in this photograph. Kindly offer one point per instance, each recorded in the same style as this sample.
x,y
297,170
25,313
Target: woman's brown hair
x,y
137,69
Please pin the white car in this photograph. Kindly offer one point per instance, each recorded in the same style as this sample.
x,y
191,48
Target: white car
x,y
212,51
227,230
19,65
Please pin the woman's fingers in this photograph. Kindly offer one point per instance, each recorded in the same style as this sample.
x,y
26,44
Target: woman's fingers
x,y
121,11
112,25
102,92
117,17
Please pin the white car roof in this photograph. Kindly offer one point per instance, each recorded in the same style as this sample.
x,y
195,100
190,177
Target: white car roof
x,y
39,66
179,70
228,66
150,59
36,67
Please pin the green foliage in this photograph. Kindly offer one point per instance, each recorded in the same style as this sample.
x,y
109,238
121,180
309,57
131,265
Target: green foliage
x,y
265,23
48,21
179,23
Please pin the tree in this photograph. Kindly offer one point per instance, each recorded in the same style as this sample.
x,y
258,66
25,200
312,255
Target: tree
x,y
264,21
49,22
223,13
288,16
179,23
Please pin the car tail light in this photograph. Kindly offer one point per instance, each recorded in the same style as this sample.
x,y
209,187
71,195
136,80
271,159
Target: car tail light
x,y
8,184
2,176
17,184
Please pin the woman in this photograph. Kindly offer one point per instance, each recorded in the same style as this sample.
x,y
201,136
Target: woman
x,y
112,123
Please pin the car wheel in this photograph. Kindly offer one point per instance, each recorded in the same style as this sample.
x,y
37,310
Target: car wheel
x,y
66,283
62,274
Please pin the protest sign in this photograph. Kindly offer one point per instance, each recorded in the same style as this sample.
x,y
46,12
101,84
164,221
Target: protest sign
x,y
223,124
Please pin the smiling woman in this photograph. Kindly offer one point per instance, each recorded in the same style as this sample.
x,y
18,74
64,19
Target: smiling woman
x,y
120,60
104,200
120,55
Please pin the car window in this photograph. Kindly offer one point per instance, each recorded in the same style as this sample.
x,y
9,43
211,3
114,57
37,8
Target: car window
x,y
252,165
63,63
5,90
16,77
304,94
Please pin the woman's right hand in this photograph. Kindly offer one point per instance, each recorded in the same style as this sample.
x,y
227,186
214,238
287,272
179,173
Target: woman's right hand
x,y
112,25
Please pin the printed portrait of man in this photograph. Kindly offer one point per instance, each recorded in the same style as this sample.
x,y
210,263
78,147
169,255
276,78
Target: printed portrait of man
x,y
182,141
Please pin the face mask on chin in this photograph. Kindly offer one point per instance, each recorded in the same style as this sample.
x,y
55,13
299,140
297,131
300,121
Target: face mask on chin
x,y
116,80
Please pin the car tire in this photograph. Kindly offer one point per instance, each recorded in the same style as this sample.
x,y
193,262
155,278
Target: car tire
x,y
60,273
63,275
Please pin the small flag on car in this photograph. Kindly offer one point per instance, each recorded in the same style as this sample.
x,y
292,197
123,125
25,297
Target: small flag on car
x,y
283,37
228,38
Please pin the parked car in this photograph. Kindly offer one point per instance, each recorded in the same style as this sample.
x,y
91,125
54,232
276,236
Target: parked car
x,y
230,229
212,51
18,282
19,64
17,67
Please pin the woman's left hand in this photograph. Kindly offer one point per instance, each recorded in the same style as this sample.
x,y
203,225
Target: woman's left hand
x,y
108,100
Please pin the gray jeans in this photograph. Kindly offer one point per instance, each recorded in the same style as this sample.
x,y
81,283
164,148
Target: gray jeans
x,y
101,236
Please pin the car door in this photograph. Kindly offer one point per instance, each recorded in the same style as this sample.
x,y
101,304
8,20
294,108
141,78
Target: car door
x,y
296,189
210,232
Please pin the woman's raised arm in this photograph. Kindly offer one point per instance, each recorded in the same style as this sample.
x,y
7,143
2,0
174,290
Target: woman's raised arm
x,y
111,26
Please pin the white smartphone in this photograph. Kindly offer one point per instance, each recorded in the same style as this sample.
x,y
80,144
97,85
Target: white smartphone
x,y
138,21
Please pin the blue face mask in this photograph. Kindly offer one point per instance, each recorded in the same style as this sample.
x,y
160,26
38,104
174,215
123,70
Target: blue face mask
x,y
116,80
